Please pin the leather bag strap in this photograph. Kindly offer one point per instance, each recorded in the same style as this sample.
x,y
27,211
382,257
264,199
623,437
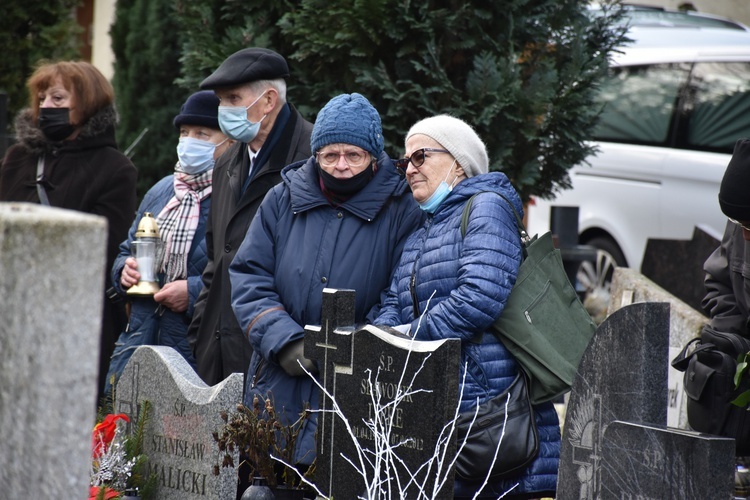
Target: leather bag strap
x,y
43,199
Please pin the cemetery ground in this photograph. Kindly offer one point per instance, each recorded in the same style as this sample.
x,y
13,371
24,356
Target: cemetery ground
x,y
625,434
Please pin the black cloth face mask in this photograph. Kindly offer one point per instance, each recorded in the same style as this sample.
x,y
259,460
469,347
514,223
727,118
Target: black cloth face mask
x,y
55,123
346,187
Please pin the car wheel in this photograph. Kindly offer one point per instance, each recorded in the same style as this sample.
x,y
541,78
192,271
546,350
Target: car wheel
x,y
594,278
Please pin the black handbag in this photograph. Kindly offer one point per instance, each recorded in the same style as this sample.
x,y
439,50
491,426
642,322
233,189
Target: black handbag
x,y
519,445
709,363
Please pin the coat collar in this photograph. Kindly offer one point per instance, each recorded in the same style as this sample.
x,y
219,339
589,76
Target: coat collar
x,y
98,131
302,181
495,182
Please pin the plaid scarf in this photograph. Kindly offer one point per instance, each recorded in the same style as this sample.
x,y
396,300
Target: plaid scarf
x,y
178,220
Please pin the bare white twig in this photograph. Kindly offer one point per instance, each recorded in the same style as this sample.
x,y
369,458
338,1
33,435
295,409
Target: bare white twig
x,y
381,468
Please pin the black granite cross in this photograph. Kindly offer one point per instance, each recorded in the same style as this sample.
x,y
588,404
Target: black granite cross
x,y
365,370
331,345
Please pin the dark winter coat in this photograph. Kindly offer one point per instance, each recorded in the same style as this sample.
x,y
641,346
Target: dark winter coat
x,y
218,343
87,174
299,244
727,300
167,328
471,278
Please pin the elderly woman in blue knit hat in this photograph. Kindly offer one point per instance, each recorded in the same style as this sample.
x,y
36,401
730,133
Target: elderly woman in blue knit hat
x,y
338,220
180,204
449,285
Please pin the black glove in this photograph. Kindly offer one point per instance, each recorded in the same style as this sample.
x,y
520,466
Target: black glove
x,y
289,355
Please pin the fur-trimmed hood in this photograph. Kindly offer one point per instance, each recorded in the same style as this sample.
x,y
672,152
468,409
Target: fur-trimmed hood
x,y
98,131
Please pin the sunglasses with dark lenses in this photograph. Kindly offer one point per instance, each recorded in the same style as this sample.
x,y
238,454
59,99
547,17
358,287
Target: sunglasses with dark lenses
x,y
416,158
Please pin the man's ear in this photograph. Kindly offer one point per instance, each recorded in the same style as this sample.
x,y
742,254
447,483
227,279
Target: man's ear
x,y
270,100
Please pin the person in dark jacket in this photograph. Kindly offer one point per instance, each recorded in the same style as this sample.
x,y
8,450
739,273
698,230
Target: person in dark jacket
x,y
727,300
727,304
270,135
66,156
180,203
450,286
338,220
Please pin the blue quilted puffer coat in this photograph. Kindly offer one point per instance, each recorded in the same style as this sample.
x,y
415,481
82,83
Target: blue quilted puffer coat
x,y
471,278
149,323
297,245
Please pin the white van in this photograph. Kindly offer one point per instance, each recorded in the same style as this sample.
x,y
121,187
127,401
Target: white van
x,y
676,103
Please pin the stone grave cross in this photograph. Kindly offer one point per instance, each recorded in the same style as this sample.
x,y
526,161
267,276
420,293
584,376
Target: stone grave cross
x,y
391,392
331,344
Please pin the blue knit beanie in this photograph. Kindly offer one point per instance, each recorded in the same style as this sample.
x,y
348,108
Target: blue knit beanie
x,y
201,108
349,119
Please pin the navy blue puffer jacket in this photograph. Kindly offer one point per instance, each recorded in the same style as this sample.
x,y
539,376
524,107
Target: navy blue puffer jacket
x,y
146,317
462,284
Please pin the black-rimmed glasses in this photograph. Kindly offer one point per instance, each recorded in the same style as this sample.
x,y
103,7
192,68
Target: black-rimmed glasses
x,y
739,224
416,158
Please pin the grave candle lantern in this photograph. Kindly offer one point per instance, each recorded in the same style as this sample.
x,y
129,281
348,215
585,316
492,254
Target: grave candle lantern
x,y
145,249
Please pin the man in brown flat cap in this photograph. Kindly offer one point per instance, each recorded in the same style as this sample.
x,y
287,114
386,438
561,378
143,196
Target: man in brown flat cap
x,y
270,134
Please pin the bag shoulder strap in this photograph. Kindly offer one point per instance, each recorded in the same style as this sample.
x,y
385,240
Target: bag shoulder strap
x,y
43,199
525,240
680,362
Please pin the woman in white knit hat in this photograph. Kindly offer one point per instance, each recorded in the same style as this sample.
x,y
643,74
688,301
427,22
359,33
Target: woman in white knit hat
x,y
449,285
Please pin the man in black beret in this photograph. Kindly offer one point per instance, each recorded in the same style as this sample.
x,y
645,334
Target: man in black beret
x,y
270,134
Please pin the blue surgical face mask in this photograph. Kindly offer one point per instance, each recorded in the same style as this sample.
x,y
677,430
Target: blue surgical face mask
x,y
234,123
443,190
195,155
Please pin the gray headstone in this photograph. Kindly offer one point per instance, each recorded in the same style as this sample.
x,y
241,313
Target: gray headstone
x,y
355,366
650,462
51,268
677,265
685,323
622,376
184,413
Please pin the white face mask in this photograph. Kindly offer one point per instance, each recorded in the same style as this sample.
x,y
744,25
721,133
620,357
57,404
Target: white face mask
x,y
195,155
234,123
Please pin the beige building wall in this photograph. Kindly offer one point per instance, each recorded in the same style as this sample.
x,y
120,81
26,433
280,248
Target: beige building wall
x,y
101,46
739,10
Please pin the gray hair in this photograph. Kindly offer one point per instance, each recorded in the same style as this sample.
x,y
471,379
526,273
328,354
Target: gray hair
x,y
278,84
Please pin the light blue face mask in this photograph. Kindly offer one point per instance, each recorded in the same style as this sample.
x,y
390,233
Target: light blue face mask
x,y
195,155
234,123
441,193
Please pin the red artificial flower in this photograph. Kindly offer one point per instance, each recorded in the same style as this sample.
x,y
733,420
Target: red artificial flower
x,y
104,433
109,493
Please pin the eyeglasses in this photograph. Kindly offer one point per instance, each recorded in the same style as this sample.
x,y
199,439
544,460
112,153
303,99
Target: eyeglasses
x,y
352,158
746,228
416,158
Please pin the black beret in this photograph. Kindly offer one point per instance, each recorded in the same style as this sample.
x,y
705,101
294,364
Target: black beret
x,y
247,65
734,193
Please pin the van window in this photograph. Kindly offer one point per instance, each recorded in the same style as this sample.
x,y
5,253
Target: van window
x,y
639,103
717,106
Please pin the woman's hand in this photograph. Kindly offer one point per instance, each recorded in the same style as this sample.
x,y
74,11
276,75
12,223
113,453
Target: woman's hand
x,y
174,295
129,275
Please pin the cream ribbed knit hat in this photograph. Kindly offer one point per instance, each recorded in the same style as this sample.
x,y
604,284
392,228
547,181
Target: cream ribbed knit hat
x,y
459,138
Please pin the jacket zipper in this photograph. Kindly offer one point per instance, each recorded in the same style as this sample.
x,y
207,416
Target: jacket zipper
x,y
413,280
